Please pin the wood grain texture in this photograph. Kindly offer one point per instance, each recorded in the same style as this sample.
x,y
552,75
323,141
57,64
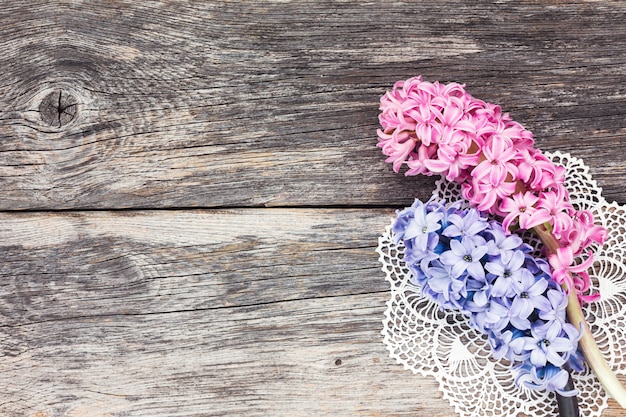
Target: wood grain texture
x,y
209,104
60,266
204,313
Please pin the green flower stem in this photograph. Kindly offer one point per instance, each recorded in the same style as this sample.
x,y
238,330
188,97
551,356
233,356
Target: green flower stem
x,y
587,343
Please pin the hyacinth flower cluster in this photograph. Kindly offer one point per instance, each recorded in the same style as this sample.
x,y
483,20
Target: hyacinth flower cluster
x,y
466,263
435,128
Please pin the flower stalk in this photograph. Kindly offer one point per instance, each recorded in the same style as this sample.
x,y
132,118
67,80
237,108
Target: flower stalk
x,y
587,343
568,406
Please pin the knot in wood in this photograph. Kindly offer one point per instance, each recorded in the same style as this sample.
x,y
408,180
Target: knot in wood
x,y
58,108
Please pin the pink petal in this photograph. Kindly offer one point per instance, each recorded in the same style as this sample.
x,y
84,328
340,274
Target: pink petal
x,y
538,217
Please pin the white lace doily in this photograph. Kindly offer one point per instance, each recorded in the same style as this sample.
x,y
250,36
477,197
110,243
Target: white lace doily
x,y
440,344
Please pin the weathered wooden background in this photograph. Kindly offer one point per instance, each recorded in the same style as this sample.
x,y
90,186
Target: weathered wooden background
x,y
191,193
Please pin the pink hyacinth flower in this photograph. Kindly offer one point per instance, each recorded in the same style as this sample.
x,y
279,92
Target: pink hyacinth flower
x,y
498,164
397,146
521,207
416,162
575,276
531,166
485,196
560,209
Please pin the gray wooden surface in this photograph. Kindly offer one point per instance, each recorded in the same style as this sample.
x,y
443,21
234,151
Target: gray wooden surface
x,y
191,192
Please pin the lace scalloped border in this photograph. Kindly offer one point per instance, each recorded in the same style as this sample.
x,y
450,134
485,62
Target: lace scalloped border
x,y
440,344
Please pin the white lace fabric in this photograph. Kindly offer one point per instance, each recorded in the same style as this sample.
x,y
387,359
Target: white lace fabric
x,y
441,344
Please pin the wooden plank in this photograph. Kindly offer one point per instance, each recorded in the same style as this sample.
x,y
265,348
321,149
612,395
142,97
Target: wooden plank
x,y
187,104
253,361
246,312
58,266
